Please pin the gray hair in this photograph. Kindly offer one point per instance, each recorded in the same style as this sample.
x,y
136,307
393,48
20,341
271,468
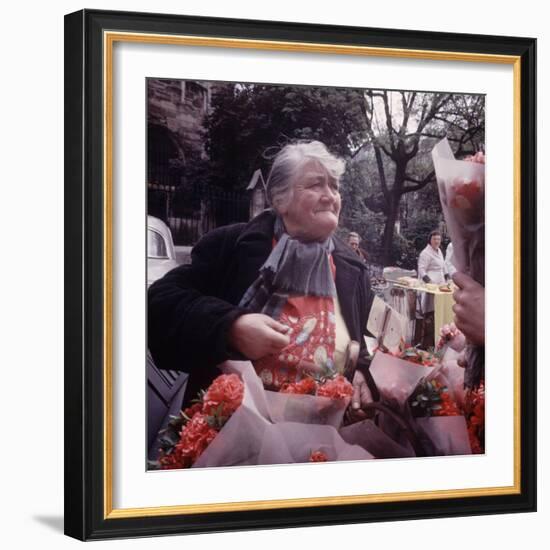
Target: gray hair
x,y
289,160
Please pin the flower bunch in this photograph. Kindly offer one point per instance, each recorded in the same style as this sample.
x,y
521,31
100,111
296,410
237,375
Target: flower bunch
x,y
306,386
337,388
474,409
334,388
189,434
431,398
224,396
414,354
461,185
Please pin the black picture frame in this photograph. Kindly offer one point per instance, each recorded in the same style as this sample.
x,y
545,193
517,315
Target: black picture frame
x,y
87,513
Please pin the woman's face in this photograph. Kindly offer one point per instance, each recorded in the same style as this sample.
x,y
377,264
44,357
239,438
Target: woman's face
x,y
435,241
312,213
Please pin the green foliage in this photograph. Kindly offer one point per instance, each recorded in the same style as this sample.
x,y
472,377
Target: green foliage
x,y
426,398
249,123
363,212
403,253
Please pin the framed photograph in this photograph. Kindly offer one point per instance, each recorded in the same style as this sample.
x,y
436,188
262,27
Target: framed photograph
x,y
300,274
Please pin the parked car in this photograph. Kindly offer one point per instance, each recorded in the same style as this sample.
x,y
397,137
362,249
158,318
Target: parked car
x,y
165,388
161,254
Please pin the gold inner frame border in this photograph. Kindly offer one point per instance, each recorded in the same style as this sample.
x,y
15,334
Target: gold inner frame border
x,y
109,40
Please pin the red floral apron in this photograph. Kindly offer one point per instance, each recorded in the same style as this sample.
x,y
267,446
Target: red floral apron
x,y
312,335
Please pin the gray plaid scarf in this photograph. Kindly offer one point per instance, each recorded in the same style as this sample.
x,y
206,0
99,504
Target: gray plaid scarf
x,y
293,268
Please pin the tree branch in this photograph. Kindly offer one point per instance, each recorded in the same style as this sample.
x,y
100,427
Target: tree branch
x,y
407,107
420,183
381,172
359,149
389,123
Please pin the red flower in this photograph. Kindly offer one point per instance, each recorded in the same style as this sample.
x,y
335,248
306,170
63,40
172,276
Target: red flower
x,y
191,411
467,193
195,436
172,461
227,390
475,418
337,388
318,456
307,386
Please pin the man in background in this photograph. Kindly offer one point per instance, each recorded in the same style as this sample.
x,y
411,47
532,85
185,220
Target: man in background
x,y
353,241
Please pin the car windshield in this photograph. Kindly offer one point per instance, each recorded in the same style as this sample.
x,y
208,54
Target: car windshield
x,y
156,247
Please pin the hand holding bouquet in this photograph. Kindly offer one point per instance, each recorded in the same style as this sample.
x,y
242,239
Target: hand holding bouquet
x,y
461,185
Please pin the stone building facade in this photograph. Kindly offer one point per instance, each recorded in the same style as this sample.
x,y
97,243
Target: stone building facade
x,y
175,116
176,111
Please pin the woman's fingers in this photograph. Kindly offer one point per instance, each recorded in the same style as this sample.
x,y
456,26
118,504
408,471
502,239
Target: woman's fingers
x,y
275,325
277,341
256,336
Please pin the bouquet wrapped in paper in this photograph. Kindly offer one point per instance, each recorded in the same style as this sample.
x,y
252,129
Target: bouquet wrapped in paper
x,y
461,185
396,378
237,422
426,402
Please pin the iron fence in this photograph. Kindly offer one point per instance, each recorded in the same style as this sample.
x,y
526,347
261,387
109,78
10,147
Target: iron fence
x,y
191,213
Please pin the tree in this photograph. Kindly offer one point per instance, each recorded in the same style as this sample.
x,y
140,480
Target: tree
x,y
401,128
386,137
249,123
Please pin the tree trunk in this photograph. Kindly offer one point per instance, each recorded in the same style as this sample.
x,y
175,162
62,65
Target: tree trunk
x,y
393,211
389,230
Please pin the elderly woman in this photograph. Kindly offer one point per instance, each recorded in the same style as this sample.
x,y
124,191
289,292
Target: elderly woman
x,y
282,290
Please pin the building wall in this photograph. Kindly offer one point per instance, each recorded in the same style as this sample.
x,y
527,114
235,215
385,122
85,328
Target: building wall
x,y
180,107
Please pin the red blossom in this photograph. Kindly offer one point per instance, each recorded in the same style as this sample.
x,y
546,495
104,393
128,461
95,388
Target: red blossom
x,y
195,436
307,386
318,456
475,418
172,461
227,390
467,194
191,411
337,388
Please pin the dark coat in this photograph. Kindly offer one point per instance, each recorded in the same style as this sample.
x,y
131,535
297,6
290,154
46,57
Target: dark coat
x,y
192,307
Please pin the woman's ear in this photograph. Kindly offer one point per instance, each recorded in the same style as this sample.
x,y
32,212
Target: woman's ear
x,y
280,205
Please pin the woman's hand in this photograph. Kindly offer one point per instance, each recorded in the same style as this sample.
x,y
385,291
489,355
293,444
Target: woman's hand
x,y
256,335
469,308
361,397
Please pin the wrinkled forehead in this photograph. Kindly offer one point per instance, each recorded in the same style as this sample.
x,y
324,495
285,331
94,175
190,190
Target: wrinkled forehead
x,y
312,169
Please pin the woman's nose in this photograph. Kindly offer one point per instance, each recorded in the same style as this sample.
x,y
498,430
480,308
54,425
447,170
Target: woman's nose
x,y
329,193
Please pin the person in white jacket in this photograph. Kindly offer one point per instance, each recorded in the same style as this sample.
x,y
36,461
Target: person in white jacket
x,y
431,269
